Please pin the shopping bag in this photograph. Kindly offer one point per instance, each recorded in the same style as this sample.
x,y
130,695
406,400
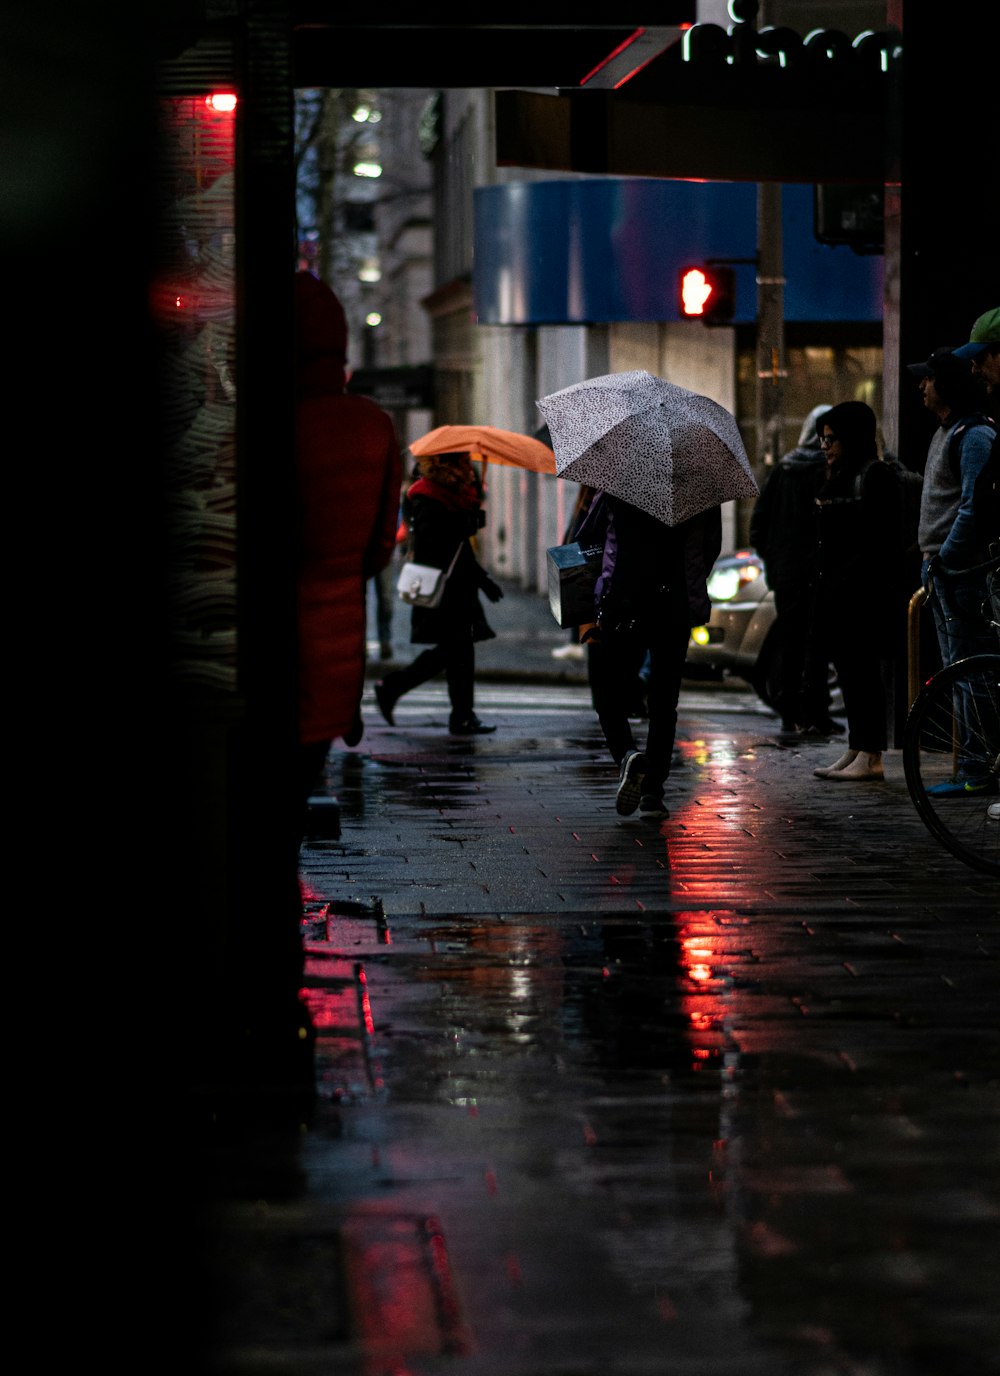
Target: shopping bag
x,y
572,572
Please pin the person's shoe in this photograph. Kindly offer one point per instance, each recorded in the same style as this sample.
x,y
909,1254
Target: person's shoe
x,y
652,805
571,651
789,731
353,734
993,812
630,778
469,726
848,757
865,765
986,786
829,726
386,700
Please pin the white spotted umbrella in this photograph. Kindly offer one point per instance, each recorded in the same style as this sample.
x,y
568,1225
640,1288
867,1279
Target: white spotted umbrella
x,y
664,449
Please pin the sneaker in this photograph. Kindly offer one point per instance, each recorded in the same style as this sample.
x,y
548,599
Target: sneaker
x,y
993,812
469,726
652,805
630,779
569,652
962,788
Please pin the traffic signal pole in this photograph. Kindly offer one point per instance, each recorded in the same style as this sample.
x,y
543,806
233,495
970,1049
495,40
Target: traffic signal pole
x,y
771,370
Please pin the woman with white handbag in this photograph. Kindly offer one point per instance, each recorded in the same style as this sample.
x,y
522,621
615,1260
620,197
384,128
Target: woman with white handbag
x,y
443,510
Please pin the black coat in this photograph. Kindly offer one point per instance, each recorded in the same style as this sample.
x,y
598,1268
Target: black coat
x,y
650,567
858,554
435,533
783,524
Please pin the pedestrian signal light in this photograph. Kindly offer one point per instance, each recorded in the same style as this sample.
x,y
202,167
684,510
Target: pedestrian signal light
x,y
707,293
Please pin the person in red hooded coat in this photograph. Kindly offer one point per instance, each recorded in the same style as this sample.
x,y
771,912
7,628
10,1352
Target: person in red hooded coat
x,y
349,472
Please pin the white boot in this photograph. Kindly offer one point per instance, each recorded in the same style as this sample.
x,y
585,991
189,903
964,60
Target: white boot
x,y
848,757
865,765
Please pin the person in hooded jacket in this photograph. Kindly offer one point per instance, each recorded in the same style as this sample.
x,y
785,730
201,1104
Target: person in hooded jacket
x,y
349,473
783,533
857,602
443,510
651,590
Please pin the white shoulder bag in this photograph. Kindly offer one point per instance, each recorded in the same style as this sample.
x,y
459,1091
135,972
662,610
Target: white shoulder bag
x,y
421,585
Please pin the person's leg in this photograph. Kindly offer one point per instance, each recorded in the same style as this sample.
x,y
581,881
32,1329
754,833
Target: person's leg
x,y
792,608
614,666
385,605
967,632
390,689
668,652
460,672
312,759
859,671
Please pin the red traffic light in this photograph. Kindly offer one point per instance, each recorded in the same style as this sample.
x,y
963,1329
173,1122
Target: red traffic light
x,y
707,292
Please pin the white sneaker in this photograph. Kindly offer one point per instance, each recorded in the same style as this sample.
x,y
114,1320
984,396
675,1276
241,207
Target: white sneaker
x,y
630,779
993,812
568,652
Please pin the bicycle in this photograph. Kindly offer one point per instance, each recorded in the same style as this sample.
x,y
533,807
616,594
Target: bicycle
x,y
959,707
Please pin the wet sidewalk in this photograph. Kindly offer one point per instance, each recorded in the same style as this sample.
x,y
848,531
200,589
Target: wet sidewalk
x,y
716,1094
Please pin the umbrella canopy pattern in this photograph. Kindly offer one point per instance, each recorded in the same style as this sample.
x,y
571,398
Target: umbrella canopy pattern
x,y
487,442
671,452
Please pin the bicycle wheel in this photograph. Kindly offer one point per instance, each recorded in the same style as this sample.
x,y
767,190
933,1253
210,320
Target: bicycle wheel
x,y
951,756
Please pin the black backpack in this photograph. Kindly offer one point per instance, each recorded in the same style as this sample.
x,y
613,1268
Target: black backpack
x,y
909,488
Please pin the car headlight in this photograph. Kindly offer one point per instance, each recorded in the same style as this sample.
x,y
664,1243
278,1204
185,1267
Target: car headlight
x,y
723,584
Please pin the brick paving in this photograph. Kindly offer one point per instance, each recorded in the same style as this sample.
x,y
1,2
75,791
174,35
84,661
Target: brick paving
x,y
717,1094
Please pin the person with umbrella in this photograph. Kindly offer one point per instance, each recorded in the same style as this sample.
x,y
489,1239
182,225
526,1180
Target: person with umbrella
x,y
651,590
443,509
663,460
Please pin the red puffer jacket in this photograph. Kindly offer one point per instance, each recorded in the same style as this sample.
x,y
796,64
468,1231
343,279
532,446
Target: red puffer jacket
x,y
349,473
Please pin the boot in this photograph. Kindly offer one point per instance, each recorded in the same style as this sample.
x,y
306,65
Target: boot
x,y
865,765
386,699
468,725
848,757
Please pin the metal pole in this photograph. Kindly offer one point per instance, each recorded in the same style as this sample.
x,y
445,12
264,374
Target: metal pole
x,y
771,372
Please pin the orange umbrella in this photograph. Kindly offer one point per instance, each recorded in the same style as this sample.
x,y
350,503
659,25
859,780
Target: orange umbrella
x,y
488,442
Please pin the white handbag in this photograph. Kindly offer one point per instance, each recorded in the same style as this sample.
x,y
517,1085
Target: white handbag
x,y
421,585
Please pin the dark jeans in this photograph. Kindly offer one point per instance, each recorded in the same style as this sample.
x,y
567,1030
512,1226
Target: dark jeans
x,y
456,659
615,663
963,629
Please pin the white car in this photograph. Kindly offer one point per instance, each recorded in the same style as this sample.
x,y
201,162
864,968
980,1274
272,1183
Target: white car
x,y
740,638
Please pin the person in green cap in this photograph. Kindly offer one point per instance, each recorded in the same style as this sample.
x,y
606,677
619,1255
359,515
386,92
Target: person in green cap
x,y
983,350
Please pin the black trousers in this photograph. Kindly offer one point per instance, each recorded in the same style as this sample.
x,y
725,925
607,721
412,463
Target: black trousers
x,y
456,659
614,668
856,652
803,690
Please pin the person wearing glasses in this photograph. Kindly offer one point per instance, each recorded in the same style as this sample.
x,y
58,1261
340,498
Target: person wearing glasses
x,y
856,512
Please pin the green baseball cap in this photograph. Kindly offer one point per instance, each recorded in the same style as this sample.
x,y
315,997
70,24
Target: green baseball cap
x,y
985,331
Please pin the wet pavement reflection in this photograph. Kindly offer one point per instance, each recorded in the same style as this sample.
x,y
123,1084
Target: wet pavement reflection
x,y
714,1094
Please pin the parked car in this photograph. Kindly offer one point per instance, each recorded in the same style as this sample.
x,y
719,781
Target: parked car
x,y
740,639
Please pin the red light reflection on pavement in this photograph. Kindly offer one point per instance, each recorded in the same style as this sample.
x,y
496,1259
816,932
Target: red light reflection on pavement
x,y
403,1299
